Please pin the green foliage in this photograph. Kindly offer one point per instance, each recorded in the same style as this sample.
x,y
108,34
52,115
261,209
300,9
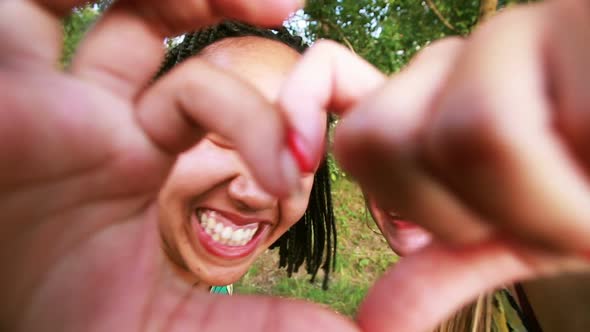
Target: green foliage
x,y
346,305
104,4
80,21
335,171
300,288
75,26
388,33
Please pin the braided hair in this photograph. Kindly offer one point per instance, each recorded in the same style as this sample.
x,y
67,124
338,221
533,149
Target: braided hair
x,y
312,240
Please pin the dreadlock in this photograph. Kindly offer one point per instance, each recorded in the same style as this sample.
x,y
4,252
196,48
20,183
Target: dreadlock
x,y
194,42
312,240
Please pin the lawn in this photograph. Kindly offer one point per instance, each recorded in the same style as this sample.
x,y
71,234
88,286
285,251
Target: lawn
x,y
363,255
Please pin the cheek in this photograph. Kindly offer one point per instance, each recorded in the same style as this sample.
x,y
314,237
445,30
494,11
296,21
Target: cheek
x,y
196,172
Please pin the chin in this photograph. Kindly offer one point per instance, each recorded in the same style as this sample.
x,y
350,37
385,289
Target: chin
x,y
213,270
221,278
407,245
404,250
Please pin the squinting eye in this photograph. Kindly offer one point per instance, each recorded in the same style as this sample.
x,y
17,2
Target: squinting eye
x,y
220,141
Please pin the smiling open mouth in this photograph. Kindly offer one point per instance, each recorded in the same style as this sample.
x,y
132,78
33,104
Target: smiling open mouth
x,y
227,235
224,232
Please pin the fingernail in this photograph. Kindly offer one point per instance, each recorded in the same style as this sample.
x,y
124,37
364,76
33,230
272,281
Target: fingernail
x,y
300,151
586,255
290,170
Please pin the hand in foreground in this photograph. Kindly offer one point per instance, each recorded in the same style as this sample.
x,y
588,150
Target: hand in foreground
x,y
84,154
479,140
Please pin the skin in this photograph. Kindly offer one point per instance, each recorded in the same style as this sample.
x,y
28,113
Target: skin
x,y
559,303
403,236
481,157
79,180
212,175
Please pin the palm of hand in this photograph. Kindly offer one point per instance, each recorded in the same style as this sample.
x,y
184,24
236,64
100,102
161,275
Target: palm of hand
x,y
88,176
79,178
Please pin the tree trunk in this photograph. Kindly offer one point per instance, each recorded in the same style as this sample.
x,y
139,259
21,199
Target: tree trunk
x,y
487,8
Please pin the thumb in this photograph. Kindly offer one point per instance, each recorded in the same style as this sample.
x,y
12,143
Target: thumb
x,y
424,289
208,313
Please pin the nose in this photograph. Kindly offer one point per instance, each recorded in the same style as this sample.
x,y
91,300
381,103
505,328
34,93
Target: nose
x,y
248,195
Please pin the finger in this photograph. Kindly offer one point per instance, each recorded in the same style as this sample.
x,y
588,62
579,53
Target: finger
x,y
60,7
422,290
328,78
184,104
266,314
28,34
376,142
569,65
492,139
125,48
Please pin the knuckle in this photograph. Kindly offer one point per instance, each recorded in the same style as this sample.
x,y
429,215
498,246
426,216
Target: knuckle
x,y
444,48
464,134
326,46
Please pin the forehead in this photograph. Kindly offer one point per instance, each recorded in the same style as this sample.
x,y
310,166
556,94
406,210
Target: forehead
x,y
262,62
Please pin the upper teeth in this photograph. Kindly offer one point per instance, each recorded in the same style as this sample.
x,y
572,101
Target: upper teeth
x,y
226,234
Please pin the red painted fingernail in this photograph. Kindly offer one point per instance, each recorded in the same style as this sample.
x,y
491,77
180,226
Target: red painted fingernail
x,y
300,151
586,255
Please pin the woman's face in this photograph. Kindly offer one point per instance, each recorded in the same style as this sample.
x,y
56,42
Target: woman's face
x,y
403,236
214,218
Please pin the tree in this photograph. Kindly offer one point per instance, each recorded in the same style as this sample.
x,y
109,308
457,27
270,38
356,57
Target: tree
x,y
487,8
79,22
389,32
104,4
75,26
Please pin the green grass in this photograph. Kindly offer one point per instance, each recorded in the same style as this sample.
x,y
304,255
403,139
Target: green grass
x,y
363,255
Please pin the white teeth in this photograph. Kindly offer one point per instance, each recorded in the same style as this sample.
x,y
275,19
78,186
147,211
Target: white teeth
x,y
226,233
238,235
223,234
248,233
210,223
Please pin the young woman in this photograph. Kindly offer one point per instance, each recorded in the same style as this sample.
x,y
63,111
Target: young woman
x,y
215,220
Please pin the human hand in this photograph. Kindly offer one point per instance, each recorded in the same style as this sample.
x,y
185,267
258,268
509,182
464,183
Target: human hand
x,y
476,141
84,154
